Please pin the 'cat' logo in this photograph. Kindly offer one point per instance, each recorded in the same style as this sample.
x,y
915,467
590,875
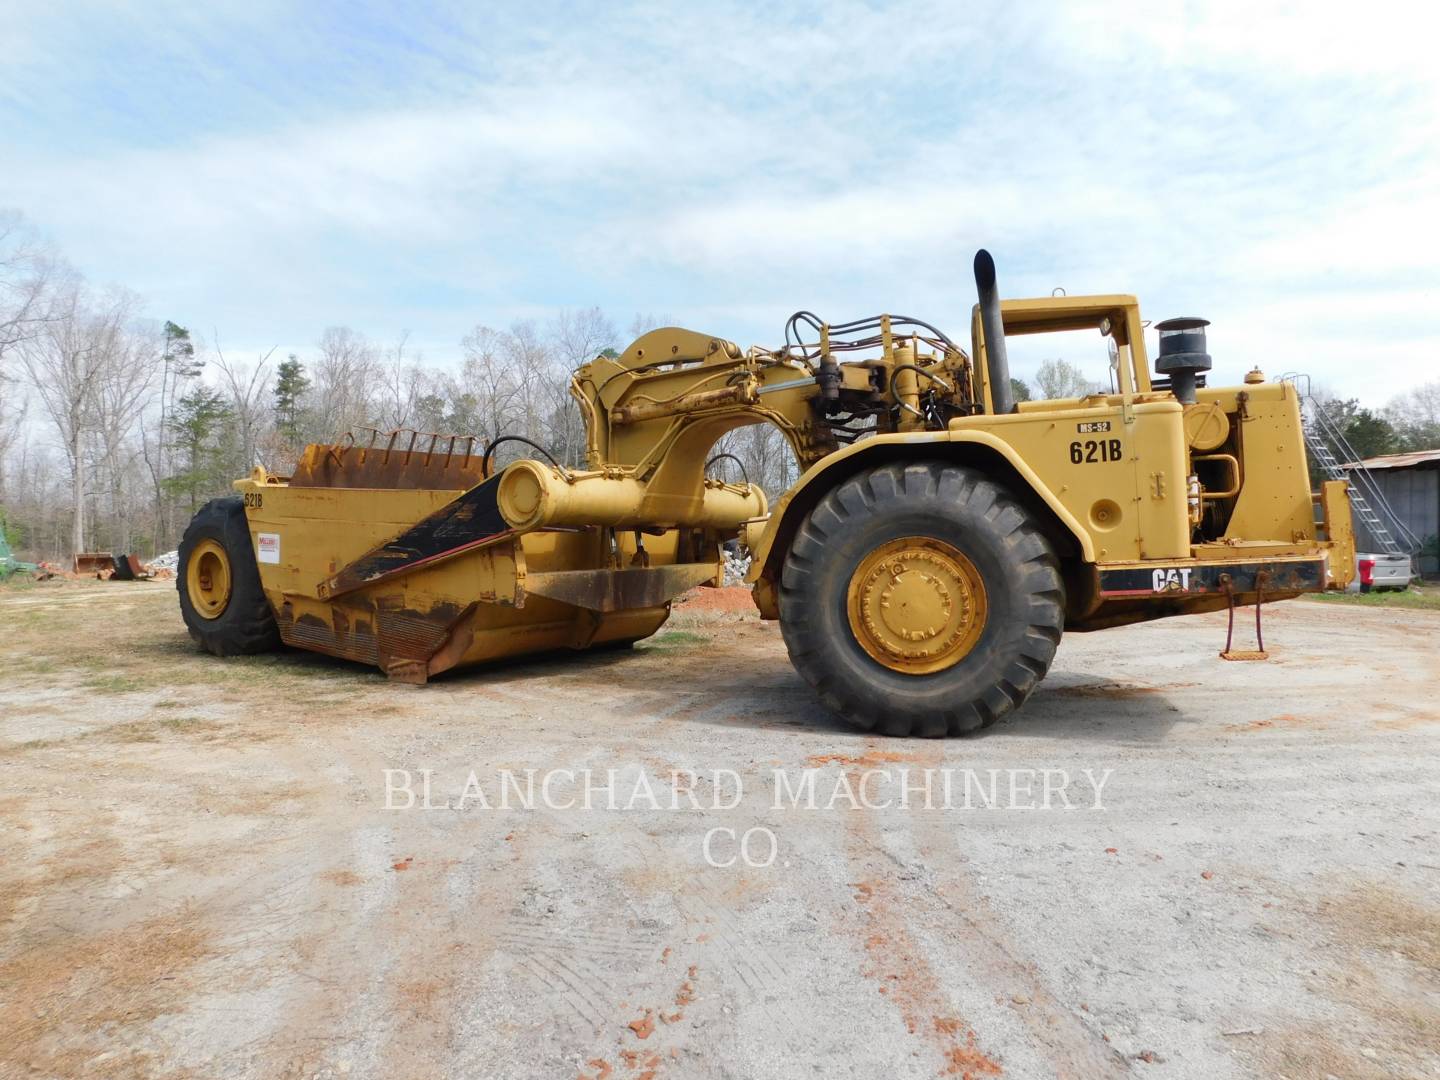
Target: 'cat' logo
x,y
1172,580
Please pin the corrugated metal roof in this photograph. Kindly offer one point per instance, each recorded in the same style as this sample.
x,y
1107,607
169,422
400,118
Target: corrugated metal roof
x,y
1398,461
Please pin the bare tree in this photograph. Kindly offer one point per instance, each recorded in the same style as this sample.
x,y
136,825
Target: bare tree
x,y
765,458
66,362
644,323
402,383
341,378
577,337
1416,417
486,395
131,363
12,423
1062,379
529,360
248,390
27,270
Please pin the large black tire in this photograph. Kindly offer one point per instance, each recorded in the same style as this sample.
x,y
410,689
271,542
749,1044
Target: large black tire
x,y
958,506
246,625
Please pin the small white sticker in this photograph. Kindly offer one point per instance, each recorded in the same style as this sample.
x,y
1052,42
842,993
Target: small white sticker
x,y
268,547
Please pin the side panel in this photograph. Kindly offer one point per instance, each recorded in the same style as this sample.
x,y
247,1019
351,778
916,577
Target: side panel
x,y
1275,502
311,533
1085,464
1335,514
472,606
471,520
1118,471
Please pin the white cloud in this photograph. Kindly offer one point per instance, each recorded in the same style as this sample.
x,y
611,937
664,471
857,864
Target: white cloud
x,y
1265,165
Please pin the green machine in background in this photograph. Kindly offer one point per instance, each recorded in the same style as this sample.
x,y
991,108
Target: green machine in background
x,y
9,565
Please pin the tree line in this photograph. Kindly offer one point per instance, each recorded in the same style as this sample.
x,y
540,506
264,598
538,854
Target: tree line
x,y
116,427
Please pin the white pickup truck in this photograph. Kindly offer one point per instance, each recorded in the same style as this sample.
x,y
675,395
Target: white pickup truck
x,y
1379,571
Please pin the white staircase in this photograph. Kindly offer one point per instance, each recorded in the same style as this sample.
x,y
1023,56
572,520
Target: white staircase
x,y
1331,452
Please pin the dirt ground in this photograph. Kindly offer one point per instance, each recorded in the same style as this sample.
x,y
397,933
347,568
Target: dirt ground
x,y
201,876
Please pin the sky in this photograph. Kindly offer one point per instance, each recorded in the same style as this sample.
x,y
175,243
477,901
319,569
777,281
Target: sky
x,y
258,171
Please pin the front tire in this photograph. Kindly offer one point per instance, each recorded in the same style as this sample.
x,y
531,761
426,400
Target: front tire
x,y
921,599
221,598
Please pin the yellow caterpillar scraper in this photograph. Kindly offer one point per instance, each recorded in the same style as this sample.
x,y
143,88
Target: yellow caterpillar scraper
x,y
940,538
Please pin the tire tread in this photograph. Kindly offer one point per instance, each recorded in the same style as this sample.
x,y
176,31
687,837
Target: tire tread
x,y
247,625
1037,595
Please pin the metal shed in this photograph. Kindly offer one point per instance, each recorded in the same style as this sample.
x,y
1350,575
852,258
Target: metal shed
x,y
1411,485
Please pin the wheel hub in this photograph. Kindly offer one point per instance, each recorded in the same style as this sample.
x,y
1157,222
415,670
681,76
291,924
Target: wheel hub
x,y
207,579
916,605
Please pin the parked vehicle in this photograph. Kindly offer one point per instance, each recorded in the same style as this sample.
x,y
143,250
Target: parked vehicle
x,y
1382,572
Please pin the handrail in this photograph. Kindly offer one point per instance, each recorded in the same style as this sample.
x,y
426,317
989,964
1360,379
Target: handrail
x,y
1332,439
1362,478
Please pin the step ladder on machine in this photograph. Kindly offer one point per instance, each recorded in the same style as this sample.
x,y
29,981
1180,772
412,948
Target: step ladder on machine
x,y
1368,506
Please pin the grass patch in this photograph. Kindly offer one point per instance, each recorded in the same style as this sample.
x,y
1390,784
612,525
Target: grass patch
x,y
149,731
115,983
15,750
290,664
184,663
1423,598
672,639
114,684
183,723
132,731
136,731
39,665
28,619
101,663
1388,921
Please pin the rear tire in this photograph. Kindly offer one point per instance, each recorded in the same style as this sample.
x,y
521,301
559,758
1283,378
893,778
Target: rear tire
x,y
967,550
240,623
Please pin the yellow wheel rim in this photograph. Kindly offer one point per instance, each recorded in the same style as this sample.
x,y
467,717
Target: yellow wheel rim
x,y
207,579
916,605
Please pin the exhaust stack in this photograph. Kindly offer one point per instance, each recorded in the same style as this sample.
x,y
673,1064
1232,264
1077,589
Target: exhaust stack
x,y
993,326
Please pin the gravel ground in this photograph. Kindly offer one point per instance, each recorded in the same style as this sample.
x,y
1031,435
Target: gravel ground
x,y
202,876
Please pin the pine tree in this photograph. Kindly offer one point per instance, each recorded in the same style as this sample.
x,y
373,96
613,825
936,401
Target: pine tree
x,y
1367,432
290,386
198,424
178,363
